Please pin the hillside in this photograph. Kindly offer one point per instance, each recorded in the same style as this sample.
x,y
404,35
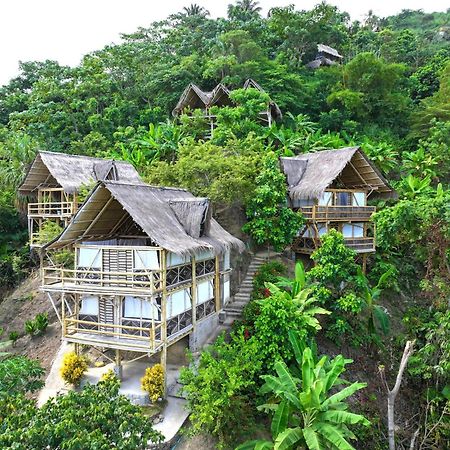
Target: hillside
x,y
389,95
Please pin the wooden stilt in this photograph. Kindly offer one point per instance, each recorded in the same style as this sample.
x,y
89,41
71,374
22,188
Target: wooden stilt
x,y
164,319
118,362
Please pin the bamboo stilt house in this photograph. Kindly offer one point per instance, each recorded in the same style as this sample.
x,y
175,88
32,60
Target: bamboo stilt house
x,y
326,56
54,180
331,189
193,98
151,267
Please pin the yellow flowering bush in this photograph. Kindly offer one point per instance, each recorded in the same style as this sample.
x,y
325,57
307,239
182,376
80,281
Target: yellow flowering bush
x,y
73,368
153,382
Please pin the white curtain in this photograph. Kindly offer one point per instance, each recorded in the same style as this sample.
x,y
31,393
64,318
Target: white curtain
x,y
136,307
322,229
347,230
89,305
358,229
89,257
226,290
174,259
205,291
146,259
178,302
325,199
359,199
226,260
205,254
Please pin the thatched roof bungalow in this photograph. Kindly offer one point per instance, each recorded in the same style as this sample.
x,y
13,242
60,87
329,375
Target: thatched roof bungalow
x,y
194,97
310,174
152,267
331,189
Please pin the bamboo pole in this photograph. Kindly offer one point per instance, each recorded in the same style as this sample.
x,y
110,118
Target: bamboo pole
x,y
217,284
194,292
164,319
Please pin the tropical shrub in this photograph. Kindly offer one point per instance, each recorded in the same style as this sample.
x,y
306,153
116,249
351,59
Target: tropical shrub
x,y
13,336
97,417
307,409
269,272
19,375
37,326
220,387
73,368
153,382
49,231
270,221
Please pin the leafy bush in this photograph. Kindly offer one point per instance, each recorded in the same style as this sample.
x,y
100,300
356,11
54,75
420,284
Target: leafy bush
x,y
95,418
49,231
109,376
220,387
73,368
13,336
38,325
306,408
153,382
19,375
267,273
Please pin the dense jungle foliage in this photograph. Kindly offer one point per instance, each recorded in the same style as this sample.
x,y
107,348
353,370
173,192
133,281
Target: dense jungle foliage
x,y
391,96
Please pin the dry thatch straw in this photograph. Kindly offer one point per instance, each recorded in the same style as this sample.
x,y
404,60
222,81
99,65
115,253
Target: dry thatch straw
x,y
309,174
167,216
72,171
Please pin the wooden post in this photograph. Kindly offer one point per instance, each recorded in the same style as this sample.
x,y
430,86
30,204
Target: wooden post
x,y
118,362
164,319
63,314
194,292
217,284
364,263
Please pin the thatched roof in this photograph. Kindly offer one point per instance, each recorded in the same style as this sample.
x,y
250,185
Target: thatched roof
x,y
317,171
321,48
195,98
166,215
72,171
193,213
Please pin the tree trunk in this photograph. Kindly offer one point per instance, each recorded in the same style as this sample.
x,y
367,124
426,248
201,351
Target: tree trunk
x,y
392,394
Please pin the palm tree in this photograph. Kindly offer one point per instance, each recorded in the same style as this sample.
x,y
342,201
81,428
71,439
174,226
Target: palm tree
x,y
308,410
249,6
195,10
244,10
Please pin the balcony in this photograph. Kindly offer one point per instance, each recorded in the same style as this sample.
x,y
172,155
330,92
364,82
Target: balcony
x,y
97,281
142,337
308,245
51,209
320,213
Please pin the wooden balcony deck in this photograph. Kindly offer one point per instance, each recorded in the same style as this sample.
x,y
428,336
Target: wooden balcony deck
x,y
337,213
97,281
51,210
308,245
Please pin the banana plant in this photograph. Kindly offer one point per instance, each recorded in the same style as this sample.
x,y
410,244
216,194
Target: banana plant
x,y
300,294
308,411
370,296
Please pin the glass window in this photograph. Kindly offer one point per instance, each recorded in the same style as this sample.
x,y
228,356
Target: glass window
x,y
322,229
347,230
358,229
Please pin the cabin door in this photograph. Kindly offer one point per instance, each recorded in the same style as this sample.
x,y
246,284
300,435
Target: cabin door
x,y
106,312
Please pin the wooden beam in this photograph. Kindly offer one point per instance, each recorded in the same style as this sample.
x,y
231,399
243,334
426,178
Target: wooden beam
x,y
98,216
